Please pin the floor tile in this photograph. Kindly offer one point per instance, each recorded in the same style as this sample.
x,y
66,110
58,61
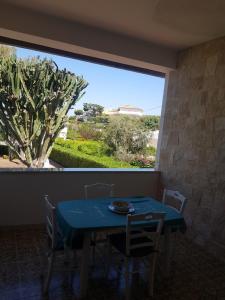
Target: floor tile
x,y
195,274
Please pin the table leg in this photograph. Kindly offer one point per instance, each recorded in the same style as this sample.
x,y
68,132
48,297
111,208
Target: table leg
x,y
168,250
85,264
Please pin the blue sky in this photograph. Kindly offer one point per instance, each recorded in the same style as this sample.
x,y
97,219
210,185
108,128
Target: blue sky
x,y
110,87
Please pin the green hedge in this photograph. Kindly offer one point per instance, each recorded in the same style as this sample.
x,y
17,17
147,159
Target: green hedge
x,y
151,151
73,158
71,144
94,148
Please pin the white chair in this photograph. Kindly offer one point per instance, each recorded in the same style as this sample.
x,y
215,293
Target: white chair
x,y
98,190
175,200
55,240
136,242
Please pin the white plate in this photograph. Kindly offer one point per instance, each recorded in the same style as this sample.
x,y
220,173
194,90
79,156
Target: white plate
x,y
113,209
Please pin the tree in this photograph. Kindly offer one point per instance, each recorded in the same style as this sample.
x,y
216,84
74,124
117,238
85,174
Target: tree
x,y
35,97
71,119
122,134
92,110
78,112
1,135
151,122
104,119
88,132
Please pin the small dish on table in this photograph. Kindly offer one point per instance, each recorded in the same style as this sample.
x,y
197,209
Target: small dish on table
x,y
121,207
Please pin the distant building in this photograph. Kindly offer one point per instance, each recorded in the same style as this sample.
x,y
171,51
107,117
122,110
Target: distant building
x,y
125,110
63,133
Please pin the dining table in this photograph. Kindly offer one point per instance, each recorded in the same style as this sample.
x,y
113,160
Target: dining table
x,y
86,217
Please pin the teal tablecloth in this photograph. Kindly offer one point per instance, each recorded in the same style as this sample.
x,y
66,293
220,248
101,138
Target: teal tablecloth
x,y
78,216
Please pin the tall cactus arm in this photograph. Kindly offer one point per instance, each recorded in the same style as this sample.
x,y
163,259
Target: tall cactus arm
x,y
35,97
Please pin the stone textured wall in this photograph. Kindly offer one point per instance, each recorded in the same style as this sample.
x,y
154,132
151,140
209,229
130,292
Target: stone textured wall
x,y
192,152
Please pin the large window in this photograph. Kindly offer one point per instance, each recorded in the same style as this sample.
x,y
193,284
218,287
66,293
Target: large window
x,y
60,112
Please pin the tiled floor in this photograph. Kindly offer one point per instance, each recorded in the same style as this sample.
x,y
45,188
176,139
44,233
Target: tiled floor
x,y
195,274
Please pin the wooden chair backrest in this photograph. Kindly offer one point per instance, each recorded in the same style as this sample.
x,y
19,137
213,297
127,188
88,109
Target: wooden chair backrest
x,y
135,229
50,219
175,200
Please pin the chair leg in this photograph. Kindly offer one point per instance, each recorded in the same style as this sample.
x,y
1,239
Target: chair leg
x,y
67,279
108,258
168,250
73,266
70,257
75,260
127,277
152,276
49,272
174,242
94,237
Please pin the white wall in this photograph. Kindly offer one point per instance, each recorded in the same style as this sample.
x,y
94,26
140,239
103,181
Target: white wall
x,y
21,192
153,139
127,112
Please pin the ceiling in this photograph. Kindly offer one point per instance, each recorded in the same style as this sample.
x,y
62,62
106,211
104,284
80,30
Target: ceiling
x,y
176,24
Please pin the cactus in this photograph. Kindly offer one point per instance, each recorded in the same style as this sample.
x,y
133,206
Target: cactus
x,y
35,97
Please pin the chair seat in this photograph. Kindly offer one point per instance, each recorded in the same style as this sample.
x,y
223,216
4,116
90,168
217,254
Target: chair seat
x,y
118,240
